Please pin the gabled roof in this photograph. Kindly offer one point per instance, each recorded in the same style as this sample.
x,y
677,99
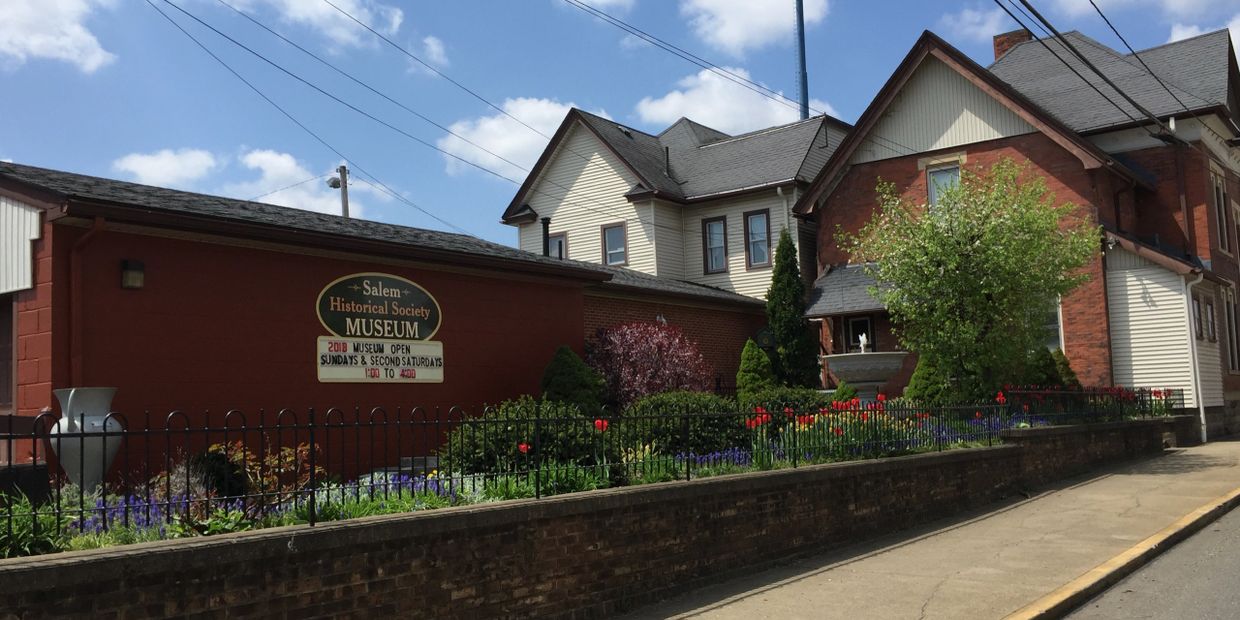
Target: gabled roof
x,y
689,161
685,133
930,44
1195,72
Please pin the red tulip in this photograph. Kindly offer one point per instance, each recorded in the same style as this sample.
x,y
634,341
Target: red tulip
x,y
601,424
523,447
882,398
1001,399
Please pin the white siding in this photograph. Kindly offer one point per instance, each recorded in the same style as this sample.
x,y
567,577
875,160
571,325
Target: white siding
x,y
19,226
669,239
1209,356
738,279
596,182
1149,330
938,108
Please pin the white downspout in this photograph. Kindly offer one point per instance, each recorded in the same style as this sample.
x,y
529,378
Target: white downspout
x,y
1194,376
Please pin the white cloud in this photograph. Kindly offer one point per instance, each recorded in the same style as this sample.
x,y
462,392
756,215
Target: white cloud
x,y
722,104
433,50
505,137
976,25
279,171
342,31
52,29
735,26
433,53
1181,9
1184,31
166,167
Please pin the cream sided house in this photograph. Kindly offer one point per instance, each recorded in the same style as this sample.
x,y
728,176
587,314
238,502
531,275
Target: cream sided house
x,y
689,204
1159,309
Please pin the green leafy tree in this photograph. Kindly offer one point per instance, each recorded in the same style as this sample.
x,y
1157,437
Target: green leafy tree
x,y
970,279
796,352
567,379
755,374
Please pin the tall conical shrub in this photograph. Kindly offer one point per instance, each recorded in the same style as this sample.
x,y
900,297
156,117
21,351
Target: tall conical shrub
x,y
796,350
755,374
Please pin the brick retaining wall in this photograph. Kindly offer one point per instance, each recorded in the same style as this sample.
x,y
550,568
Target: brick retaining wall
x,y
579,555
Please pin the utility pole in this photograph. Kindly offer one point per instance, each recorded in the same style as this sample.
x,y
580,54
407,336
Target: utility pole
x,y
801,53
343,171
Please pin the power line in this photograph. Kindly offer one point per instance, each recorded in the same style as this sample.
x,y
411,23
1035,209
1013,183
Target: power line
x,y
1138,56
1088,63
358,110
299,183
332,96
1067,64
372,89
723,72
292,118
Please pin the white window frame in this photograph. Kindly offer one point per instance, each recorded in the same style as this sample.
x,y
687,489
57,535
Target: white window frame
x,y
624,244
1229,323
707,267
931,186
1218,193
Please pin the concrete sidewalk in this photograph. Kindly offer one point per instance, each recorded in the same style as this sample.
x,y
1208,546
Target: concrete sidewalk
x,y
986,564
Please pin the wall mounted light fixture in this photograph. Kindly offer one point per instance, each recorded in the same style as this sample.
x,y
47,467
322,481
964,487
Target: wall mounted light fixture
x,y
133,274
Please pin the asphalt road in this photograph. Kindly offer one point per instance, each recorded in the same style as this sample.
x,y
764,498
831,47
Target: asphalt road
x,y
1198,578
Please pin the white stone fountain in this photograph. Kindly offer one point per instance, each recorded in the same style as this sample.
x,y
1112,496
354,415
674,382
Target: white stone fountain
x,y
867,370
79,441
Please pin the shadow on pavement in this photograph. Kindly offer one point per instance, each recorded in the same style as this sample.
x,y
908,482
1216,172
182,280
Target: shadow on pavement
x,y
752,581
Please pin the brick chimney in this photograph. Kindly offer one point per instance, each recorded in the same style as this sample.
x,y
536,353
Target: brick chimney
x,y
1008,40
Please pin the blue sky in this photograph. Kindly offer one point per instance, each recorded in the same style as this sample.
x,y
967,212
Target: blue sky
x,y
110,88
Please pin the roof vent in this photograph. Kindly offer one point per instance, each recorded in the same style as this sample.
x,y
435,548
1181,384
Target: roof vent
x,y
624,130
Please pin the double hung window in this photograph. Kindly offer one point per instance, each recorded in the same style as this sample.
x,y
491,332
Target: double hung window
x,y
615,250
715,245
758,239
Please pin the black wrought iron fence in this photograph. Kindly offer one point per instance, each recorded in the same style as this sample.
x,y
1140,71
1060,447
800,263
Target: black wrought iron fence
x,y
1096,404
150,477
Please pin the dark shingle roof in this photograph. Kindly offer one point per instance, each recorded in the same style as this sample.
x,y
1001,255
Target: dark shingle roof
x,y
1194,70
842,290
159,199
173,201
705,161
629,278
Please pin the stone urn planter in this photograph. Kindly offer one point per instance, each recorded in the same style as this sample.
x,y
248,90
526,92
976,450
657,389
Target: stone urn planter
x,y
79,441
866,371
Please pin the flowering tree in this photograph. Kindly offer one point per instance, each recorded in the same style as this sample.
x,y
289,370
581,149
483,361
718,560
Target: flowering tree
x,y
637,359
970,280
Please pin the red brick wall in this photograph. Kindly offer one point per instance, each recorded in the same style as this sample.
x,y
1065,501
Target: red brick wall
x,y
218,327
34,347
1086,325
720,332
580,555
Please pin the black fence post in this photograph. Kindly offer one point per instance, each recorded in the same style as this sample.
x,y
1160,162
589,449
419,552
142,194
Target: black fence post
x,y
538,414
313,472
684,441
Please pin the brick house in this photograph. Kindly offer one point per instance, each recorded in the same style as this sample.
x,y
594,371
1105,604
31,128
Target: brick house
x,y
691,204
197,302
1159,308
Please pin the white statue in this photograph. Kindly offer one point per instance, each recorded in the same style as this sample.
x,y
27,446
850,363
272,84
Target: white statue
x,y
863,340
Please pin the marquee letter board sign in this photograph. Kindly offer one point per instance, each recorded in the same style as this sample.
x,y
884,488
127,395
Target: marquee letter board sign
x,y
381,328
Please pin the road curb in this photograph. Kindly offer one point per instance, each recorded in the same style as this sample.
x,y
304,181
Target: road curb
x,y
1059,603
